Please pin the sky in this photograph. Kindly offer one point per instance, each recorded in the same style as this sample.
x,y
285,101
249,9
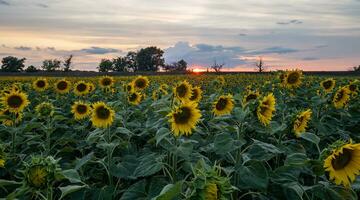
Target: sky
x,y
321,35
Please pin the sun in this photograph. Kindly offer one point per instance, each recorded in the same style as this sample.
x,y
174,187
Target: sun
x,y
198,70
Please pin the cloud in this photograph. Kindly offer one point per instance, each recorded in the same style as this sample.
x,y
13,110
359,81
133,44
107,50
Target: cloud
x,y
41,5
294,21
99,50
273,50
5,3
242,34
322,45
23,48
310,58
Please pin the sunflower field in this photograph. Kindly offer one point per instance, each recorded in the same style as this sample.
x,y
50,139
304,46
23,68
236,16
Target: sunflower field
x,y
269,136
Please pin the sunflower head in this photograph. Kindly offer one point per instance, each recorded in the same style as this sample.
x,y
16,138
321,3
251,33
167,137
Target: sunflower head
x,y
250,96
91,87
15,101
129,87
62,86
293,79
301,122
341,97
141,82
80,110
223,105
183,91
81,88
2,157
8,117
342,163
134,98
353,87
40,172
45,109
282,78
184,118
196,94
106,82
211,191
40,84
328,84
102,115
220,80
265,109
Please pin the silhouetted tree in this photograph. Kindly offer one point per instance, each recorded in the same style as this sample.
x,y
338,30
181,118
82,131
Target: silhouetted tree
x,y
356,69
31,68
12,64
149,59
131,60
67,63
120,64
217,67
51,65
260,65
179,66
105,65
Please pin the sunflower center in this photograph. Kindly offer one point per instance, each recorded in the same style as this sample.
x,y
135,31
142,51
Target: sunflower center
x,y
40,83
195,94
327,84
140,83
62,85
38,176
221,104
102,112
293,78
342,160
263,109
106,82
81,109
81,87
128,88
181,90
251,97
183,116
352,87
133,97
339,95
14,101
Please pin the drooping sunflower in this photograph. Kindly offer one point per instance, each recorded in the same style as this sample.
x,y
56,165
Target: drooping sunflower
x,y
211,191
196,94
328,84
9,117
184,118
62,86
106,82
134,98
80,110
45,109
102,115
223,105
341,97
40,172
40,84
293,79
301,122
141,82
265,109
183,91
15,101
81,88
343,164
250,96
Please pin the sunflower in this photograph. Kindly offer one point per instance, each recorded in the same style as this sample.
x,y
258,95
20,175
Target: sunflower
x,y
353,87
134,98
62,86
211,192
141,82
250,96
129,87
328,84
155,95
81,88
9,117
265,109
196,94
80,110
15,101
91,86
301,122
341,97
45,109
40,84
102,115
223,105
184,118
343,164
2,158
40,172
282,78
106,82
182,91
293,79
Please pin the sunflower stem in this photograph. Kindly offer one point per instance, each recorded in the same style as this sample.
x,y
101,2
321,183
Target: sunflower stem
x,y
109,156
13,136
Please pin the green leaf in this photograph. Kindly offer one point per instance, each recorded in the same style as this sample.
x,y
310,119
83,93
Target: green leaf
x,y
72,175
253,176
170,191
4,182
161,134
149,165
81,162
296,159
223,144
310,137
70,189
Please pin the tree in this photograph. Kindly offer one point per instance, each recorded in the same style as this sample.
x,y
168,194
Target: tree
x,y
356,69
105,65
51,65
179,66
67,63
31,68
131,61
150,59
217,67
12,64
260,65
120,64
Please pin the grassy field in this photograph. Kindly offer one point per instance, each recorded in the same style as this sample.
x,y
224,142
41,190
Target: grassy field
x,y
284,135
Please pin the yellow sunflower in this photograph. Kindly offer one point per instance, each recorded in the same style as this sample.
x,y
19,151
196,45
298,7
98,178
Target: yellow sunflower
x,y
2,159
211,192
343,164
196,94
183,91
102,115
9,120
81,88
106,82
15,101
223,105
266,109
328,84
134,98
91,87
250,96
62,86
184,118
141,82
40,84
301,122
293,78
341,97
45,109
80,110
353,87
282,78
